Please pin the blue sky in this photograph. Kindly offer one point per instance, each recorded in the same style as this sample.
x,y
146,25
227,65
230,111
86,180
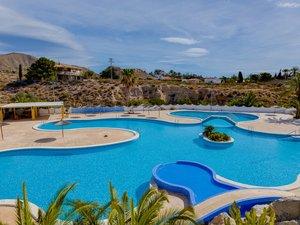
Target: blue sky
x,y
208,37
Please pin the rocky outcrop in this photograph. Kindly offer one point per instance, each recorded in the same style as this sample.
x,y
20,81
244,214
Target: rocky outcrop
x,y
292,222
260,208
220,220
287,209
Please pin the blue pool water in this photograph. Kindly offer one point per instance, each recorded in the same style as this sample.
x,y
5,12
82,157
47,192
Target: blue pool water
x,y
236,117
217,122
257,159
188,175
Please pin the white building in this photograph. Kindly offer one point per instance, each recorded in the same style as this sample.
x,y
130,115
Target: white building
x,y
212,80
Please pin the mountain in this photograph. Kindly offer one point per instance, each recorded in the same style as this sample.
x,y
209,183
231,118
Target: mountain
x,y
10,62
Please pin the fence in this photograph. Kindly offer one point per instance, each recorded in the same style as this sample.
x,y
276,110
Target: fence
x,y
103,109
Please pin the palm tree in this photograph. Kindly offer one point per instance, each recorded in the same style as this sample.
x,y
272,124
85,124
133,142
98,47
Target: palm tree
x,y
88,213
295,86
149,211
128,80
50,216
285,73
294,70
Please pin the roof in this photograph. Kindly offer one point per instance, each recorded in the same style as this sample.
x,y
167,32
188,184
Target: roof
x,y
32,104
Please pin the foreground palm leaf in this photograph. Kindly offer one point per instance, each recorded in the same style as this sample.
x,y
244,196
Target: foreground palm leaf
x,y
148,212
50,217
88,213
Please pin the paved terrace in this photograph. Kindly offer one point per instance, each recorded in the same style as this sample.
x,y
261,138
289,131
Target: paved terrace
x,y
273,123
21,134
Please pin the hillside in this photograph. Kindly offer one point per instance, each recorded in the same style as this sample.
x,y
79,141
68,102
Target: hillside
x,y
103,91
10,62
91,92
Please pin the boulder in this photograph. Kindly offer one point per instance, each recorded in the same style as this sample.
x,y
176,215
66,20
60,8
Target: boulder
x,y
292,222
219,220
259,208
287,209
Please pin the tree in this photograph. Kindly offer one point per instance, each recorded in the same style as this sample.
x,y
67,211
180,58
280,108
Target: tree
x,y
20,72
294,70
265,76
240,77
285,73
223,79
88,74
254,77
50,216
279,76
295,87
128,80
42,69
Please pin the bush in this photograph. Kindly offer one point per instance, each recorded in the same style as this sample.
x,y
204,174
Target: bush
x,y
213,135
157,101
248,100
24,97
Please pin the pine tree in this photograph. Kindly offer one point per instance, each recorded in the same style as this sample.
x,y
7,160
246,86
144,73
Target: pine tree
x,y
240,77
20,72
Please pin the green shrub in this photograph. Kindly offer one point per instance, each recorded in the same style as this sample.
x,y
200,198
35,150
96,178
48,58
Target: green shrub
x,y
213,135
157,101
251,217
25,97
137,102
248,100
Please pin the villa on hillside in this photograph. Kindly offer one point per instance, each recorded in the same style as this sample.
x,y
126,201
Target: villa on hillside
x,y
69,72
212,80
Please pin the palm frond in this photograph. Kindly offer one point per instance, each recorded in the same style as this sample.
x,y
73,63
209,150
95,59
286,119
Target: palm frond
x,y
173,216
55,208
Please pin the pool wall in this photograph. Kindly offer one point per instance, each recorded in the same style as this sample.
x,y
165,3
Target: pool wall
x,y
184,190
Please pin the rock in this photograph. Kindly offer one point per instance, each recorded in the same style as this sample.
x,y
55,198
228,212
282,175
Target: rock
x,y
287,209
219,220
292,222
259,208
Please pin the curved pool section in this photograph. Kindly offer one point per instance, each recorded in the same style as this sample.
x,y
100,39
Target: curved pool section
x,y
254,159
193,180
236,117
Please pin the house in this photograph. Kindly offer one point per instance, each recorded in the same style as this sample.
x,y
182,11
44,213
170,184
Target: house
x,y
212,80
69,72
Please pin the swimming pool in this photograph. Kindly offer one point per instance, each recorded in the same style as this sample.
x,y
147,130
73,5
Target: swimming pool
x,y
191,179
254,158
236,117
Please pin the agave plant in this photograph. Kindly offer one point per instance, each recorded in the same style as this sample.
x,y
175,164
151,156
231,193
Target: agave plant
x,y
50,216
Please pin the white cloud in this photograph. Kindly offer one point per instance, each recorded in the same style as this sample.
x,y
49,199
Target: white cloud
x,y
179,40
288,4
14,23
195,52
